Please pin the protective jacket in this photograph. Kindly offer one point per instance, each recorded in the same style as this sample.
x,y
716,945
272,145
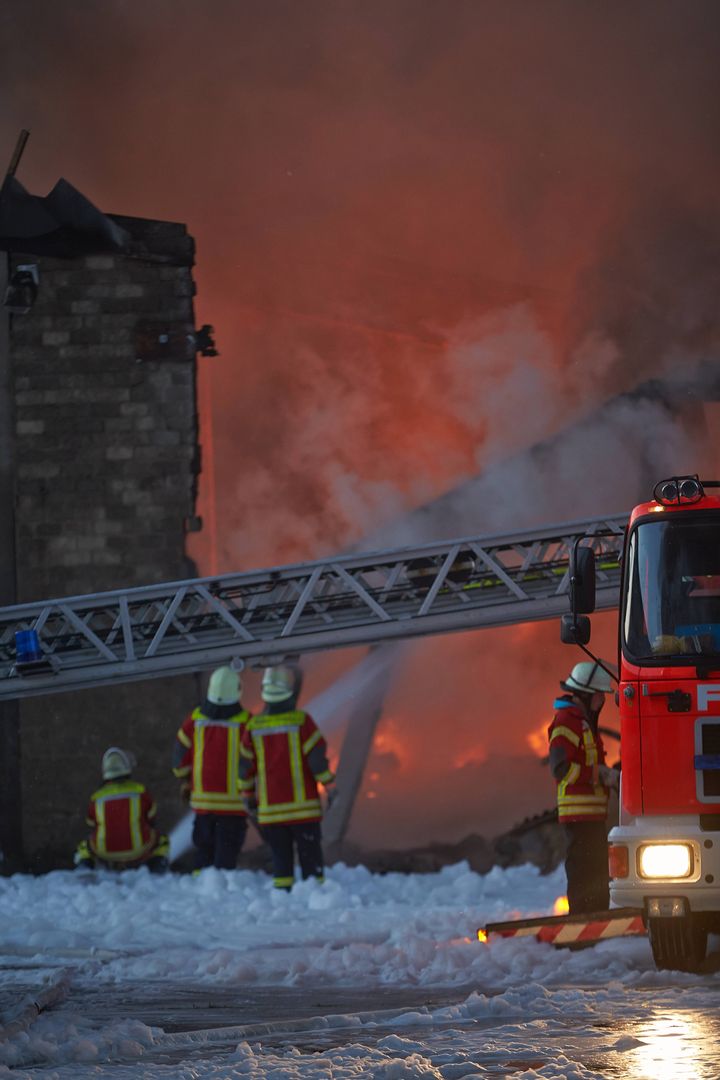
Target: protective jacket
x,y
283,757
207,751
121,814
576,752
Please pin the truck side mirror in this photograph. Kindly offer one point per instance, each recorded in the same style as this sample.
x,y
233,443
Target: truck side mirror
x,y
574,629
582,580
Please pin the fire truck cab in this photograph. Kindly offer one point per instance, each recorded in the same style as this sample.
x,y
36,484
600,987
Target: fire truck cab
x,y
664,853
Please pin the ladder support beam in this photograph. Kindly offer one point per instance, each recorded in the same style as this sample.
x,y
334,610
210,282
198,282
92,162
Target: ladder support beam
x,y
259,617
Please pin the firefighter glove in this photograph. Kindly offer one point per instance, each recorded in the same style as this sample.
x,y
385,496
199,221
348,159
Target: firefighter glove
x,y
609,778
331,795
251,805
185,790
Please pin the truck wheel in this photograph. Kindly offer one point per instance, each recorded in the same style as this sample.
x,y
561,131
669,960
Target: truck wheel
x,y
678,944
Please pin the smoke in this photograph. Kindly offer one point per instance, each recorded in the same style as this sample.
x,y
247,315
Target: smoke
x,y
372,186
431,237
330,707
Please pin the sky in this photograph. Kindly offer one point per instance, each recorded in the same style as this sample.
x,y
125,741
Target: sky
x,y
428,236
84,944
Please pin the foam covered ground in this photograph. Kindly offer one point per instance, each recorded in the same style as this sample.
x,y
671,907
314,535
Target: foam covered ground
x,y
523,1009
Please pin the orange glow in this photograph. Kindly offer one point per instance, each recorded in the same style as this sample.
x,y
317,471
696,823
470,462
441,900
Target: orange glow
x,y
522,634
482,936
414,275
474,755
203,545
389,741
561,906
538,740
360,328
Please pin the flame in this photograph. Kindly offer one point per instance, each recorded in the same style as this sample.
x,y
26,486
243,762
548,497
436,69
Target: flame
x,y
561,906
538,740
482,936
390,741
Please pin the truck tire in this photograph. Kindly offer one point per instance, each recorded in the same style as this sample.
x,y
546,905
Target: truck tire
x,y
678,944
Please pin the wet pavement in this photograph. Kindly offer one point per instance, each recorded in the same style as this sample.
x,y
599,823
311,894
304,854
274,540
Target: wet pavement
x,y
201,1023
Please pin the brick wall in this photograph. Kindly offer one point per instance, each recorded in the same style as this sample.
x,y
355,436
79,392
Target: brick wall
x,y
104,373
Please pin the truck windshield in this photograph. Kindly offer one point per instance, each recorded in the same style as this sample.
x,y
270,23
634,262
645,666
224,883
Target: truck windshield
x,y
672,605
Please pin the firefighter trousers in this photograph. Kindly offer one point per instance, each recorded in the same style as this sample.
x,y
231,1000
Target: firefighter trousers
x,y
218,840
586,866
285,841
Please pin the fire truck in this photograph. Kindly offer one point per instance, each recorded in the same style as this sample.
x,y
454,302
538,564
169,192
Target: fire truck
x,y
664,854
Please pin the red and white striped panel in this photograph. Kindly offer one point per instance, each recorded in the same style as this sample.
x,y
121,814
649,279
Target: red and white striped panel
x,y
569,933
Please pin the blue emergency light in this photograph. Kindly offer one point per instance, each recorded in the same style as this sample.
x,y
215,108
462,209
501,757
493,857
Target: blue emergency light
x,y
27,647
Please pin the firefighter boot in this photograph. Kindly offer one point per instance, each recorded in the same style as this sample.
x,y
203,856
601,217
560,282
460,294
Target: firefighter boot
x,y
159,861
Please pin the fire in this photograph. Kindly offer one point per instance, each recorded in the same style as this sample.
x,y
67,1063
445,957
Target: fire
x,y
389,741
538,740
482,936
561,906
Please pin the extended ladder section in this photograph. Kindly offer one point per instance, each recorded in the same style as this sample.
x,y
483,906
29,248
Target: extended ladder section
x,y
264,616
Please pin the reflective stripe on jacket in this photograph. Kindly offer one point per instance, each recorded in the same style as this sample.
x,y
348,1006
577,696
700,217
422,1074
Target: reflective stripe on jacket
x,y
283,757
120,814
580,795
209,757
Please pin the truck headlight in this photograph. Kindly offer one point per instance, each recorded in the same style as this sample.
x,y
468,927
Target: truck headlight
x,y
665,861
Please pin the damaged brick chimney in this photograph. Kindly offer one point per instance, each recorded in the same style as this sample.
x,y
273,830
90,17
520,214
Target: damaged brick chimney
x,y
98,352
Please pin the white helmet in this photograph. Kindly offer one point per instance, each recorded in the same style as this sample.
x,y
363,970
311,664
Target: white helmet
x,y
588,677
117,762
278,684
224,687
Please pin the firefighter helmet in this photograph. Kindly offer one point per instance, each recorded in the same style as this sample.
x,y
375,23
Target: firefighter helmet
x,y
280,684
224,687
588,677
117,763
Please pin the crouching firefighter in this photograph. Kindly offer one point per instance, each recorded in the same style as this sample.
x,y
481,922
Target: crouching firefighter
x,y
577,762
121,815
283,758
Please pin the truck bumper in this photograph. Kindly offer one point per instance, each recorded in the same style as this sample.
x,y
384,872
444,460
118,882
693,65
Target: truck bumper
x,y
700,887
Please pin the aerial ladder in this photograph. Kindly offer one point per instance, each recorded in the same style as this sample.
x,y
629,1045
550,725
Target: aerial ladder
x,y
265,616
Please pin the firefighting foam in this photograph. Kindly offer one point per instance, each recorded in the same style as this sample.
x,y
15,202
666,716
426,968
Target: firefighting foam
x,y
427,237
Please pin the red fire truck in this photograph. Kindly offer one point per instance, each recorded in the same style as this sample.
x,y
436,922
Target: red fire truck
x,y
665,851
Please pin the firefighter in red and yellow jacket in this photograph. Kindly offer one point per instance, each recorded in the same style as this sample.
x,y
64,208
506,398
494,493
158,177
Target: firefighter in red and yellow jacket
x,y
577,762
283,758
206,759
121,815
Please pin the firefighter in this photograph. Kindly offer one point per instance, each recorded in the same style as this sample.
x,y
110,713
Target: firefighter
x,y
205,758
121,815
283,758
577,762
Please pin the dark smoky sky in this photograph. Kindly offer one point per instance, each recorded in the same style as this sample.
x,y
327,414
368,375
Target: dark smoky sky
x,y
429,233
366,183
